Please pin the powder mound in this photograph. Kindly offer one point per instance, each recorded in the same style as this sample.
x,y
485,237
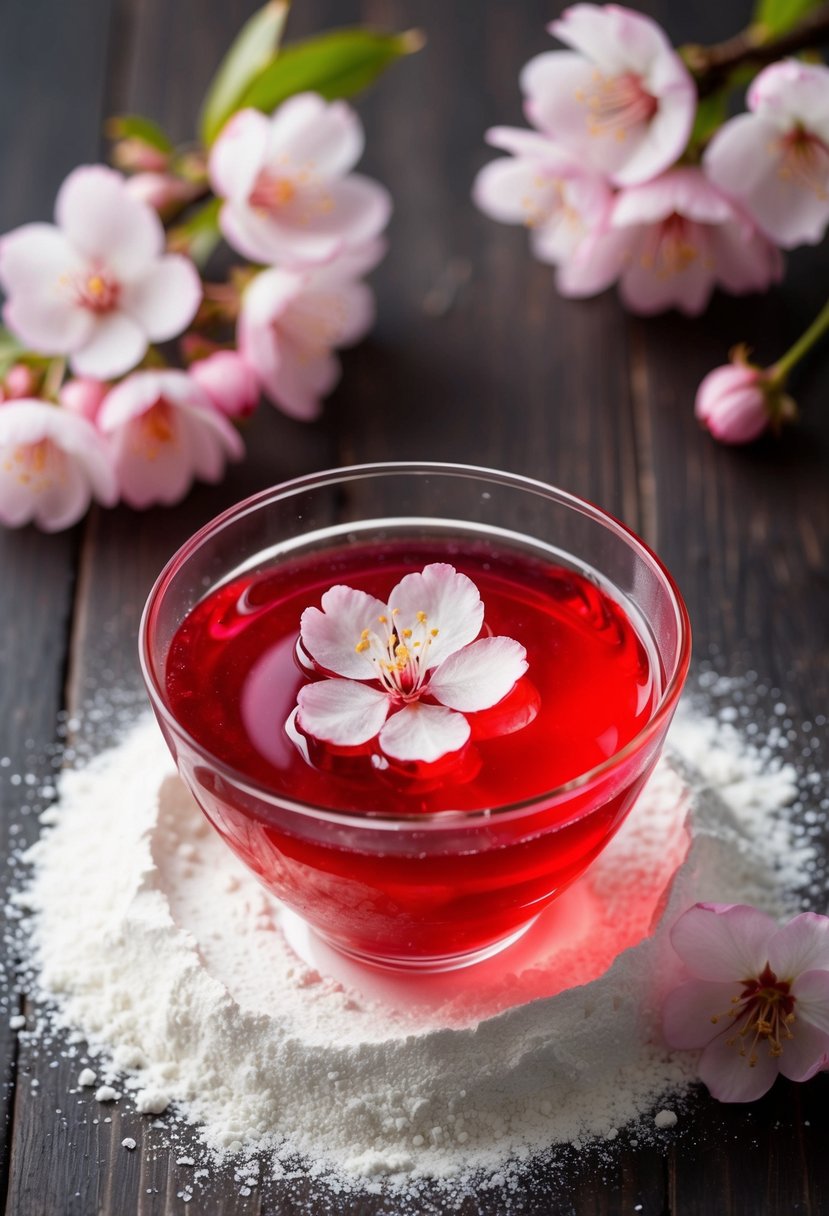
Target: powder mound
x,y
186,975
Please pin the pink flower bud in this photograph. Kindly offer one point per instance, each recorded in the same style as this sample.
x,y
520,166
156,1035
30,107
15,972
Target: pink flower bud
x,y
20,381
83,396
732,403
136,156
229,383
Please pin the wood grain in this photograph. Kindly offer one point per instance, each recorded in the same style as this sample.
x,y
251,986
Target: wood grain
x,y
474,358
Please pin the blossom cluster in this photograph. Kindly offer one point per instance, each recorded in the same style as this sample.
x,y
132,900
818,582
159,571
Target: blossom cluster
x,y
616,188
90,408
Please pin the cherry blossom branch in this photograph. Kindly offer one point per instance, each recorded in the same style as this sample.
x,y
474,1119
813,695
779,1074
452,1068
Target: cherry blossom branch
x,y
712,66
781,369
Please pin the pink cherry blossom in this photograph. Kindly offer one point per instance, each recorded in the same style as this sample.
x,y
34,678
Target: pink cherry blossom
x,y
291,321
164,432
96,286
758,1002
52,464
19,381
289,194
732,403
407,671
669,242
775,160
83,396
228,381
544,189
621,101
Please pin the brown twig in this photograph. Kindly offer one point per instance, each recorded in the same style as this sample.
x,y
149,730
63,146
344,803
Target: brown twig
x,y
712,65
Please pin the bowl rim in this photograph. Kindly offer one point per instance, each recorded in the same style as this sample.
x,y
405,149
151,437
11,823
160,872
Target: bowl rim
x,y
658,721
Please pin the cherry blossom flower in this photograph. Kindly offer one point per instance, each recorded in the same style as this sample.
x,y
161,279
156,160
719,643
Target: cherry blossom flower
x,y
228,381
164,432
621,101
775,160
405,672
669,242
544,189
96,286
758,1004
52,464
289,194
291,321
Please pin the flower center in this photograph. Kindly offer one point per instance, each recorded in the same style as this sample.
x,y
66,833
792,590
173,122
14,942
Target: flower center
x,y
617,104
272,191
399,655
804,162
763,1012
669,248
97,292
154,429
36,465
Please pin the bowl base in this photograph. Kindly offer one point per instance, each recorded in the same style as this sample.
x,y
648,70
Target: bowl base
x,y
302,938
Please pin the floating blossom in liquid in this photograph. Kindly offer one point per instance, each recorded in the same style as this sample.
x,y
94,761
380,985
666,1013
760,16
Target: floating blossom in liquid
x,y
407,671
775,160
758,1004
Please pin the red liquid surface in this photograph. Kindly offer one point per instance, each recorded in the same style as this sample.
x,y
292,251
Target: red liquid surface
x,y
232,678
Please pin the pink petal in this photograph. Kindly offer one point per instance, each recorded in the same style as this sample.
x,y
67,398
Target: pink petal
x,y
451,603
259,238
730,1077
355,209
116,344
812,992
689,1010
353,262
322,138
331,636
650,286
228,381
745,260
594,33
480,675
516,191
685,191
423,732
50,327
725,942
238,154
328,316
210,440
165,298
801,945
105,223
738,157
342,712
596,264
581,218
299,378
530,144
805,1053
791,93
665,138
35,260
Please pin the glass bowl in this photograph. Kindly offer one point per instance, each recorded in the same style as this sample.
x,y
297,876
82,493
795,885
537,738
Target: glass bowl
x,y
427,891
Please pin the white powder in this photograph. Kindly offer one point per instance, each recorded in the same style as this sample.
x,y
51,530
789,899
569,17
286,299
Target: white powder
x,y
177,967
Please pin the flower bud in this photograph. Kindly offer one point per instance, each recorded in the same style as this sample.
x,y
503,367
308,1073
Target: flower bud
x,y
83,396
20,381
229,383
135,155
161,191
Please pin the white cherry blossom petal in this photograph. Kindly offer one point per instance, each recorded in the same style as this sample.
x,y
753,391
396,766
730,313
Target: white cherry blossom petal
x,y
811,992
51,327
106,223
805,1052
315,136
423,732
239,153
342,712
37,259
449,602
800,945
480,675
332,634
116,344
165,299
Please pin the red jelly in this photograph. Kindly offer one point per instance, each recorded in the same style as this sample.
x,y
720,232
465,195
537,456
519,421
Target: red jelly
x,y
375,855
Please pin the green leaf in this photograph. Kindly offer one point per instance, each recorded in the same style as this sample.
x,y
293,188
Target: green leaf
x,y
10,350
199,235
337,64
779,16
136,126
253,48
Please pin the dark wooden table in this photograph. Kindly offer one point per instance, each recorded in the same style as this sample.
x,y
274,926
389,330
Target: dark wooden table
x,y
481,362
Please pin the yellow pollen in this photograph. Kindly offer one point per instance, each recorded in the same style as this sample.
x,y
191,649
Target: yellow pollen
x,y
421,618
434,632
362,646
96,286
407,633
366,633
402,652
382,619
